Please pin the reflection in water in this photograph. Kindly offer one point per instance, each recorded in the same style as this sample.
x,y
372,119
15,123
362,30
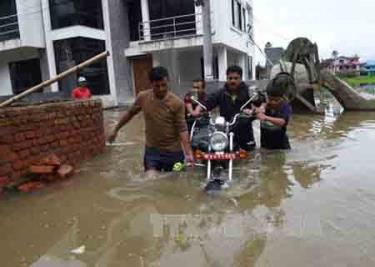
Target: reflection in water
x,y
290,208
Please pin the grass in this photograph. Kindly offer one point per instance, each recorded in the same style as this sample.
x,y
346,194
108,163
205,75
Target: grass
x,y
357,81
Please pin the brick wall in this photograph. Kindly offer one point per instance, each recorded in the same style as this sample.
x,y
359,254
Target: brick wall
x,y
74,131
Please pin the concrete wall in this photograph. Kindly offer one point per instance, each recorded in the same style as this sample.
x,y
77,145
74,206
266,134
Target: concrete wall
x,y
73,131
225,33
118,39
6,85
30,21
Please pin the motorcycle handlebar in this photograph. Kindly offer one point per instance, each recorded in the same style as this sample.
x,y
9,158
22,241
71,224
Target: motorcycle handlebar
x,y
235,118
199,103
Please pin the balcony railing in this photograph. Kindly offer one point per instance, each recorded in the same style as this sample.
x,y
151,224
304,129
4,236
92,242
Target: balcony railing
x,y
168,28
9,28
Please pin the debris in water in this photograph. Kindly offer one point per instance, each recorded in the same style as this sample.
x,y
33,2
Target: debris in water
x,y
235,202
120,144
78,251
65,171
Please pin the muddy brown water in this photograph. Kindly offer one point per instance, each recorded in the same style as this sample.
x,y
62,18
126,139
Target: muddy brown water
x,y
312,206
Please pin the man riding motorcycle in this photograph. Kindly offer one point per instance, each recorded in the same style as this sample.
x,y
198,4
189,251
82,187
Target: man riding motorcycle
x,y
230,99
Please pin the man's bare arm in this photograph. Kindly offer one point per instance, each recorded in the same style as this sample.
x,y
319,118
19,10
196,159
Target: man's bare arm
x,y
185,141
123,121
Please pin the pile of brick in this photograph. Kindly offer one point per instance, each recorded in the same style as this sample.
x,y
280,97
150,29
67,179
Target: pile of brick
x,y
48,170
72,131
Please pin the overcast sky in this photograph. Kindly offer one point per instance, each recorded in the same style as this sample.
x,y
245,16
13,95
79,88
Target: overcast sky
x,y
347,26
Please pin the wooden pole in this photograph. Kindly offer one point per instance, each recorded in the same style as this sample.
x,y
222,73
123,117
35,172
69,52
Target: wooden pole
x,y
57,78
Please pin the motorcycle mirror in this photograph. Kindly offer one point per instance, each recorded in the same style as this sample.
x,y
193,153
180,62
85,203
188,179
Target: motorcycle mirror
x,y
249,101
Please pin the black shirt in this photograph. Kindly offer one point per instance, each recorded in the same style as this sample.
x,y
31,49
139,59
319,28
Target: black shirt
x,y
228,103
272,136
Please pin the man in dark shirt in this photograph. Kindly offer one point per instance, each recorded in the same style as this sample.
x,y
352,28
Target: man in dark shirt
x,y
167,137
230,99
275,114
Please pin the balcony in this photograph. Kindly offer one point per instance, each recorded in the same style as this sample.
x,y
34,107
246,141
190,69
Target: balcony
x,y
9,28
178,32
171,28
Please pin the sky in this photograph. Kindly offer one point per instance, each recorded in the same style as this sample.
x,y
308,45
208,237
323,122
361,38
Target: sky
x,y
347,26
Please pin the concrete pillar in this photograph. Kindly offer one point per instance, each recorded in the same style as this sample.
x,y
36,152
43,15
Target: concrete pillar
x,y
223,63
242,64
49,43
108,44
146,20
44,67
207,41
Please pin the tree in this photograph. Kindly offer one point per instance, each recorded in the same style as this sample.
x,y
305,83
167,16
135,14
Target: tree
x,y
335,54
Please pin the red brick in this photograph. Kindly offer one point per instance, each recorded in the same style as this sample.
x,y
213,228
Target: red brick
x,y
51,160
4,151
12,156
35,150
5,168
18,165
16,175
52,115
63,158
24,153
22,145
55,144
30,134
40,169
4,181
44,148
63,143
30,186
6,139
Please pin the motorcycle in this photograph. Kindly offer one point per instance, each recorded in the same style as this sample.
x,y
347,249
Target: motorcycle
x,y
213,143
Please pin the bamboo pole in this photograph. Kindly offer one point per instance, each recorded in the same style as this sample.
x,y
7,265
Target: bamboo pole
x,y
57,78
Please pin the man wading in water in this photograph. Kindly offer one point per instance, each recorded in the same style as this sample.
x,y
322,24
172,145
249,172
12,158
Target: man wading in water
x,y
167,135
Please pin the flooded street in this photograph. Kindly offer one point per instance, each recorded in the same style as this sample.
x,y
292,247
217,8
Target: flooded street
x,y
312,206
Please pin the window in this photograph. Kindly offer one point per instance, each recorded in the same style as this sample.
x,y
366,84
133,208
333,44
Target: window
x,y
8,20
71,52
238,15
25,74
244,28
233,13
65,13
135,18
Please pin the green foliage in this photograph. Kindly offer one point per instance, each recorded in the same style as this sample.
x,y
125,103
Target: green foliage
x,y
360,80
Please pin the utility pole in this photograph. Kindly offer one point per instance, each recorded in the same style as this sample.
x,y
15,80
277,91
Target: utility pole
x,y
207,40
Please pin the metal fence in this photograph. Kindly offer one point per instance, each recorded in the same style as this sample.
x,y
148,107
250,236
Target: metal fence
x,y
9,28
171,27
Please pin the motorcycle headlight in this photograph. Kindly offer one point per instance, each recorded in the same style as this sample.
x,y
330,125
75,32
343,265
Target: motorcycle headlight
x,y
218,141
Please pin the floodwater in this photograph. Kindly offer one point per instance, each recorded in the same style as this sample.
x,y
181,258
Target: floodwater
x,y
312,206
